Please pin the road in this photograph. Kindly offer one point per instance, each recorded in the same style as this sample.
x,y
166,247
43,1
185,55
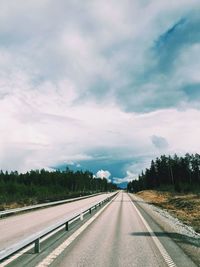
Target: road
x,y
121,237
18,227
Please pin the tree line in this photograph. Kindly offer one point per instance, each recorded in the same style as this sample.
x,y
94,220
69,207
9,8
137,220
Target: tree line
x,y
179,173
41,185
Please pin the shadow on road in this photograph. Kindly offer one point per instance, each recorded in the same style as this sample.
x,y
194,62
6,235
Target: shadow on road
x,y
179,238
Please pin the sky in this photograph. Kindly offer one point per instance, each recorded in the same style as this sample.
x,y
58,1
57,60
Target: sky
x,y
100,85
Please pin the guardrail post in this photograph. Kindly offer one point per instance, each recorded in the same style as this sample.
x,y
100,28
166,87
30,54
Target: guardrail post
x,y
67,226
37,246
35,240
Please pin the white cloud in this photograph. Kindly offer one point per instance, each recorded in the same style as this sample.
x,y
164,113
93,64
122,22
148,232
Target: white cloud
x,y
42,131
128,178
103,174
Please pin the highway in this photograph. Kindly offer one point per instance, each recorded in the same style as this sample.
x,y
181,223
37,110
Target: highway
x,y
121,237
120,234
17,227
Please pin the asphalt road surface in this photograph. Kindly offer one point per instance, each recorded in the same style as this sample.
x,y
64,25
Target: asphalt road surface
x,y
121,237
18,227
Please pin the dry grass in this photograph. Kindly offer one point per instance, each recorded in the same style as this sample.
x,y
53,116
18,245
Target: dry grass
x,y
13,205
186,207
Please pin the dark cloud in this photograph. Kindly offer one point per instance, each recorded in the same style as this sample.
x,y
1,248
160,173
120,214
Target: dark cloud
x,y
192,91
170,44
159,142
156,86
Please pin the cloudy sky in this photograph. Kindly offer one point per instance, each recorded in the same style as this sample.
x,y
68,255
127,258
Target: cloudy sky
x,y
103,85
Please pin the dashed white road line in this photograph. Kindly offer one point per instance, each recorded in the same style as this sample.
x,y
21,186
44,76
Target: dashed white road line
x,y
162,250
54,254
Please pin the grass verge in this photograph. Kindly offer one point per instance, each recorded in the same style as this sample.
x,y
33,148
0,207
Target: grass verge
x,y
186,207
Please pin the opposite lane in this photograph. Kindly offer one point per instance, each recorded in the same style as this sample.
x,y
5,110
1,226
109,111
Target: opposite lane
x,y
16,228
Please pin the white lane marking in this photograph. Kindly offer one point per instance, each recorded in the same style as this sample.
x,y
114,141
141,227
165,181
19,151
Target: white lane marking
x,y
54,254
162,250
21,252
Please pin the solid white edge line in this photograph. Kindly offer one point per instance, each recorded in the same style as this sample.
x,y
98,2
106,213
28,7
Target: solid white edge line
x,y
54,254
23,251
157,242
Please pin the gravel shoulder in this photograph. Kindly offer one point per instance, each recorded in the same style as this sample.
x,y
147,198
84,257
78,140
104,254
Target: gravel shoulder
x,y
185,207
184,235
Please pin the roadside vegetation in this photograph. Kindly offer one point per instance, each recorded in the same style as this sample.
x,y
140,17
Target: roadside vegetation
x,y
180,174
172,183
186,207
39,186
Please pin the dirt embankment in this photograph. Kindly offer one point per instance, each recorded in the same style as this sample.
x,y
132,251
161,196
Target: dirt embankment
x,y
186,207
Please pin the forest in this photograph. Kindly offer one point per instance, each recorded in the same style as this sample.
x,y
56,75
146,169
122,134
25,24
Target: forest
x,y
181,174
39,186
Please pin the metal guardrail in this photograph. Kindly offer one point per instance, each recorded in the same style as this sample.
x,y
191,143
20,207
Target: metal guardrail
x,y
43,205
36,238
